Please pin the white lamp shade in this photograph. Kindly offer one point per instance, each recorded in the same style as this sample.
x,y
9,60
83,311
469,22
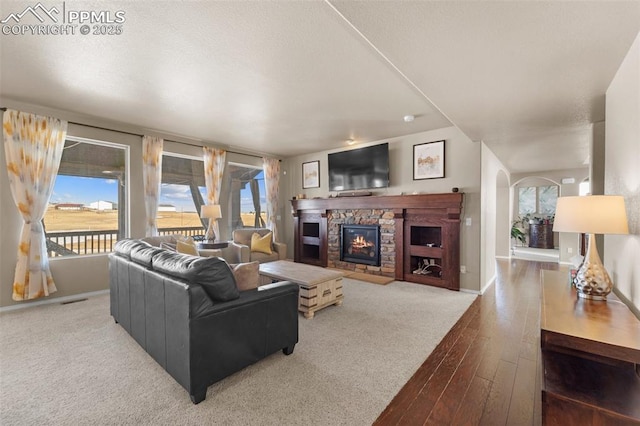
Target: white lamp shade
x,y
592,214
211,211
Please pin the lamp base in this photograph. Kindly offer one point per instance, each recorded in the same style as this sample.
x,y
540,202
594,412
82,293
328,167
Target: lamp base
x,y
592,280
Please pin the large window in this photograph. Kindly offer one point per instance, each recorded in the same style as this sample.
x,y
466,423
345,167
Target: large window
x,y
248,196
87,209
182,193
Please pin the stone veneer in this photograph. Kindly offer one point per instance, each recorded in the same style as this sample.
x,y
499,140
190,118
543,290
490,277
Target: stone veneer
x,y
335,218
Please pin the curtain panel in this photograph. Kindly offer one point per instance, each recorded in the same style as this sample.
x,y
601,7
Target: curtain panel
x,y
33,148
152,176
272,186
214,161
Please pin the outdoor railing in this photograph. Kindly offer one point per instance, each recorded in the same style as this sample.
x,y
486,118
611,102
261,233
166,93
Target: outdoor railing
x,y
72,243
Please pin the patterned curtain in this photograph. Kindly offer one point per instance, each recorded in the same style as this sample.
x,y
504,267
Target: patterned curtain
x,y
214,161
152,176
33,146
272,180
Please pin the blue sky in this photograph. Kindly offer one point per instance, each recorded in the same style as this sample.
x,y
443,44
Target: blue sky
x,y
83,190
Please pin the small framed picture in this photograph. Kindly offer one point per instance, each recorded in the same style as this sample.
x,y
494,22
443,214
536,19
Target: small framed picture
x,y
428,160
311,174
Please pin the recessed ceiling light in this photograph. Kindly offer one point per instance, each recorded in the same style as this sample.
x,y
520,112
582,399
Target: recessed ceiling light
x,y
350,142
408,118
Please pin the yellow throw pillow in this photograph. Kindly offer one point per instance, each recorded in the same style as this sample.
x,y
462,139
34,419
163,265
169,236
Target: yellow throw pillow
x,y
186,248
261,244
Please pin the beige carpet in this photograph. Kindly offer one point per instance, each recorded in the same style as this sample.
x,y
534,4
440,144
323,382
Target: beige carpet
x,y
71,364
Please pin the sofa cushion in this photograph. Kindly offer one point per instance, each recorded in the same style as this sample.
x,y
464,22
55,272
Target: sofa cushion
x,y
247,275
144,255
212,273
168,246
123,247
159,239
263,257
261,244
186,248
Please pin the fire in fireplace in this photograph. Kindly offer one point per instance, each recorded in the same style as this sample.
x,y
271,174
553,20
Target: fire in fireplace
x,y
360,244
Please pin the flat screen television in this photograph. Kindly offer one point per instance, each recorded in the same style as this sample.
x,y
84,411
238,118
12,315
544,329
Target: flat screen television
x,y
362,168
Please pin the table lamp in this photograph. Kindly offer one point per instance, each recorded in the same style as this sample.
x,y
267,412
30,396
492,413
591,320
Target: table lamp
x,y
592,214
213,213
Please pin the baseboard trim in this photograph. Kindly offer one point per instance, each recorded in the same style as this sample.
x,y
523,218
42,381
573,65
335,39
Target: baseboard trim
x,y
466,290
488,284
503,257
62,299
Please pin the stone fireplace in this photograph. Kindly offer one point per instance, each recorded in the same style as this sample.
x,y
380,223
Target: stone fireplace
x,y
360,244
377,219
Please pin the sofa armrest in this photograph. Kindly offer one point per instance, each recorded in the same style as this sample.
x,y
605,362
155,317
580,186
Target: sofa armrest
x,y
281,249
241,252
240,332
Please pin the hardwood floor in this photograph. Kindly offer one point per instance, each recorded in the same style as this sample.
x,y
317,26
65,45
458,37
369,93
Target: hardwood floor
x,y
486,371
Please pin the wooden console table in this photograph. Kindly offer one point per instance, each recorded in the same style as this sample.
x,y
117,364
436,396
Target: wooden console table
x,y
590,357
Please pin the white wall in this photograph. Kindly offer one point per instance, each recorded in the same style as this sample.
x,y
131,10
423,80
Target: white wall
x,y
622,173
491,168
462,170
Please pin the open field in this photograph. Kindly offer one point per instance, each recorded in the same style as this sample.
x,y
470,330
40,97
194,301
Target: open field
x,y
90,220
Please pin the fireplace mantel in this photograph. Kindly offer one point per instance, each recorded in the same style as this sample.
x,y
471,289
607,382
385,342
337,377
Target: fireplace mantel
x,y
407,218
451,203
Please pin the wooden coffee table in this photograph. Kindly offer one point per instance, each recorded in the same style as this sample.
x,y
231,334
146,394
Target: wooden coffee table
x,y
319,287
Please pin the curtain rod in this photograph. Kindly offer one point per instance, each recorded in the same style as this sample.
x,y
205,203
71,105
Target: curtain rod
x,y
140,135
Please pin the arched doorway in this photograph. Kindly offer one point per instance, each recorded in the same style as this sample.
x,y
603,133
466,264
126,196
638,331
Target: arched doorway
x,y
533,205
502,231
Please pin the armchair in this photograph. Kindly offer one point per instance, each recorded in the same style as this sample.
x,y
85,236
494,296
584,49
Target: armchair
x,y
242,243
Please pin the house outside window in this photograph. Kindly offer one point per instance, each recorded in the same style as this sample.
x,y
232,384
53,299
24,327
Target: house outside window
x,y
87,212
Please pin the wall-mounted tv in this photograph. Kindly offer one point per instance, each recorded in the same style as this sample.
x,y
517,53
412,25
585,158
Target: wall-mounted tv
x,y
362,168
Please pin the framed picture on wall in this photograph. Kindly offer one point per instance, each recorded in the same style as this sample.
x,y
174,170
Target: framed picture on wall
x,y
428,160
311,174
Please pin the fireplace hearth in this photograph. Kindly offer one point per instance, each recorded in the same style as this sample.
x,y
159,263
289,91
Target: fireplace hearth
x,y
360,244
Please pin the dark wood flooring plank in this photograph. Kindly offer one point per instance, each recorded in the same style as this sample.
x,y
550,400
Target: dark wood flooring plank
x,y
449,402
522,398
496,409
421,407
473,402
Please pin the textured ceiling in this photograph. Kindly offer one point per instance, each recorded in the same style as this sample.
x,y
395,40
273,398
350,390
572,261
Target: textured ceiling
x,y
295,77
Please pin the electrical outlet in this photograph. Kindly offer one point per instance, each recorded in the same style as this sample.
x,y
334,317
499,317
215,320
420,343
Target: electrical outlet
x,y
463,269
467,221
569,250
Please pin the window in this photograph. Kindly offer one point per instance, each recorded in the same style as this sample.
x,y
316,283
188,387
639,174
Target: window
x,y
182,193
538,199
87,209
248,196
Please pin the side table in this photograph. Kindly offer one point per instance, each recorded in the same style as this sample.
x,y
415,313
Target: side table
x,y
212,246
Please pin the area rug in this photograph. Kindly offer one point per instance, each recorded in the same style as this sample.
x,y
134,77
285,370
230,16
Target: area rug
x,y
71,364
